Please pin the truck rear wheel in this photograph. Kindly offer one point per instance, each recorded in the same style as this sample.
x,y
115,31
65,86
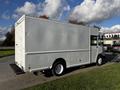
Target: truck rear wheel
x,y
58,68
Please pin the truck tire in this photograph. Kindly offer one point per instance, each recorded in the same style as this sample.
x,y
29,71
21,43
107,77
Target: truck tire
x,y
58,68
99,61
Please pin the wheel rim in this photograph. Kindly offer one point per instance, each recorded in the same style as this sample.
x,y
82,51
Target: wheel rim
x,y
59,69
100,61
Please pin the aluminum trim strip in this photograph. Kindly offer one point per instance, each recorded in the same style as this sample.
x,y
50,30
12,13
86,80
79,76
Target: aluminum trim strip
x,y
57,51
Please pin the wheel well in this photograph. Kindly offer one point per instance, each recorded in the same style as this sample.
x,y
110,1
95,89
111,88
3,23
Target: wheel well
x,y
60,60
100,55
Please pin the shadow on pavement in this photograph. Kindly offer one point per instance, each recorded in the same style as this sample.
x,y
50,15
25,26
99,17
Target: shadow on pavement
x,y
48,73
112,57
16,69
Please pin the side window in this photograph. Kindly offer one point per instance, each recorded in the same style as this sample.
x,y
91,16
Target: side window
x,y
93,40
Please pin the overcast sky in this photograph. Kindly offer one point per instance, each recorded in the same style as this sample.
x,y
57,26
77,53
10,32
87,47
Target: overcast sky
x,y
105,13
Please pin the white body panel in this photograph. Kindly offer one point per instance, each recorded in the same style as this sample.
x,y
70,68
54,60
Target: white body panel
x,y
20,43
39,42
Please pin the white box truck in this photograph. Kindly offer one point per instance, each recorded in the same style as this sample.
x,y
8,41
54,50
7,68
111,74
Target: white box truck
x,y
47,44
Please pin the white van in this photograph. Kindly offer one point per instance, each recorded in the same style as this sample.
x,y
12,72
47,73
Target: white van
x,y
45,44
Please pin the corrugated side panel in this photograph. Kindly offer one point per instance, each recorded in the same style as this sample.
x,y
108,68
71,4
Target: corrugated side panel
x,y
44,36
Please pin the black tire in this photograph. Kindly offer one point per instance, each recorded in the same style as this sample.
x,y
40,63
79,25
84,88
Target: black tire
x,y
58,68
99,61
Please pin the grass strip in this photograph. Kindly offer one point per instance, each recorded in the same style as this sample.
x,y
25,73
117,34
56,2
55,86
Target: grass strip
x,y
4,53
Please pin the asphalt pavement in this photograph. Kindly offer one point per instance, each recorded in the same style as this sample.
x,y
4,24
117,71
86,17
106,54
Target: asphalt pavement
x,y
4,48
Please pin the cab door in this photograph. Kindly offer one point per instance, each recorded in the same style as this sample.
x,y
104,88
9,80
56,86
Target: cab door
x,y
94,48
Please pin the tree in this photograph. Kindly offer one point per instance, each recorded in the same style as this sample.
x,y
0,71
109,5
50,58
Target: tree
x,y
76,22
44,16
10,38
116,37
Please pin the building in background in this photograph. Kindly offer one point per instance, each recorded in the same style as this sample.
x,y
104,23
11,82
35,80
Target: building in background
x,y
112,41
112,38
